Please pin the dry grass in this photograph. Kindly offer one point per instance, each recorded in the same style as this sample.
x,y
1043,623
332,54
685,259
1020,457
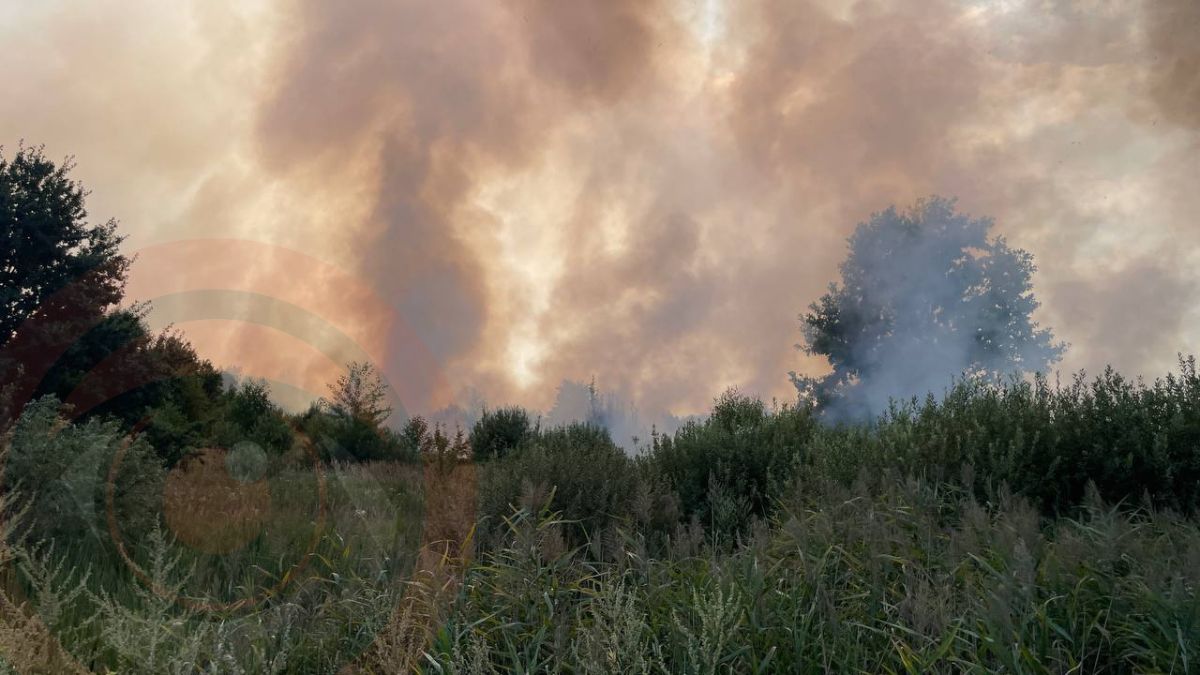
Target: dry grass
x,y
208,510
27,645
446,550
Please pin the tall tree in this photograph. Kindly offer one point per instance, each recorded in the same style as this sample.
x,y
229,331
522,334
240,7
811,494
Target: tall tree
x,y
47,244
360,394
61,330
926,294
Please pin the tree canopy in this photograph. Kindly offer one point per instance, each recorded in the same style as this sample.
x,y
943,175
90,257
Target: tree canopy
x,y
926,294
47,244
62,329
360,394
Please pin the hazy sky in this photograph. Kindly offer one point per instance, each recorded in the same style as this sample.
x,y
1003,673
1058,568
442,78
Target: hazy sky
x,y
499,194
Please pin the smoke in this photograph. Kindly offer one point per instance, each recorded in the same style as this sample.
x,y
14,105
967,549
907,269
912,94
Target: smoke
x,y
926,295
626,425
1144,292
650,191
422,104
1175,80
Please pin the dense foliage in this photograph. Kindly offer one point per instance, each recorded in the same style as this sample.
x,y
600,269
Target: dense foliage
x,y
498,432
731,466
1046,442
60,470
1011,525
890,576
1021,527
925,295
47,246
575,470
62,333
351,439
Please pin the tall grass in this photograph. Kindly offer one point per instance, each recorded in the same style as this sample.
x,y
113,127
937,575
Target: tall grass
x,y
899,576
1023,527
307,592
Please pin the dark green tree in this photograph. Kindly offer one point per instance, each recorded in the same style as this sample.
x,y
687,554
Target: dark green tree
x,y
251,415
360,394
61,330
350,424
47,244
499,432
926,295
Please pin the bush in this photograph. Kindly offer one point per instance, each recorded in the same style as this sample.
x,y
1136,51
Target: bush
x,y
252,416
353,439
575,471
499,432
414,434
443,451
60,472
738,459
1043,441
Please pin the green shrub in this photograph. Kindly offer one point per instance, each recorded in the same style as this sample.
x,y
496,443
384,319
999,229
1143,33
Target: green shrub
x,y
575,470
250,415
740,457
1043,441
61,470
414,434
353,439
499,432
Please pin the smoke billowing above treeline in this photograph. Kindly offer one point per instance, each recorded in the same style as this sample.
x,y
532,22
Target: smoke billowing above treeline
x,y
500,196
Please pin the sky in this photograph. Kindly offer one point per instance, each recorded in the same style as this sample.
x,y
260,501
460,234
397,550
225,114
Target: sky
x,y
490,197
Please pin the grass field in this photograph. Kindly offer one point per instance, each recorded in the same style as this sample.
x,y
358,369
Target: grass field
x,y
267,570
887,575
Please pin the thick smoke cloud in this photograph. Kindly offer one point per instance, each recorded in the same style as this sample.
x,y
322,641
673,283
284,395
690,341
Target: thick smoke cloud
x,y
576,402
1100,309
422,103
646,192
1171,36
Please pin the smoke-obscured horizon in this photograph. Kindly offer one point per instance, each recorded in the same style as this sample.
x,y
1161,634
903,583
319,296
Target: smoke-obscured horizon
x,y
500,197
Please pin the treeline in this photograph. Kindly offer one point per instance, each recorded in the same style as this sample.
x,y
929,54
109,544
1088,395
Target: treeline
x,y
1046,442
1043,441
1026,526
1017,525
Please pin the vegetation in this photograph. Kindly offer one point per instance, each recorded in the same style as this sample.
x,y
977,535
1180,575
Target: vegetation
x,y
53,263
499,432
257,576
926,294
156,518
360,394
1019,527
731,467
894,576
577,470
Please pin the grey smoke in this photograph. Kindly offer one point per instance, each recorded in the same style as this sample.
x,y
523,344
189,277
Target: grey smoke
x,y
926,294
628,426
